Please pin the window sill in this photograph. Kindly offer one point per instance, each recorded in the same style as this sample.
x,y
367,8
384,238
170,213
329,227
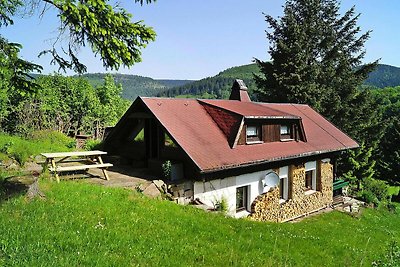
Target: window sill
x,y
240,210
287,139
310,192
243,213
253,142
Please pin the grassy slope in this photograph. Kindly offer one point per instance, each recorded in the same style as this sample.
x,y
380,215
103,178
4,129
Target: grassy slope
x,y
41,141
87,225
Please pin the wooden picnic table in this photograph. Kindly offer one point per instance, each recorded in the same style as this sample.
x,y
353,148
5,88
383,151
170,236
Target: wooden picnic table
x,y
92,158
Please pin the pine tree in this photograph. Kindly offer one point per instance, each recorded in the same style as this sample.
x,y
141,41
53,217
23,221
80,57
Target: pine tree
x,y
316,59
363,165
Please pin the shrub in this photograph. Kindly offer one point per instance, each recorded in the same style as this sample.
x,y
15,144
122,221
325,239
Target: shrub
x,y
368,197
374,191
21,149
53,137
93,144
222,205
166,168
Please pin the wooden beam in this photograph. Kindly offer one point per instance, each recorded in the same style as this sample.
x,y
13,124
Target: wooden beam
x,y
140,115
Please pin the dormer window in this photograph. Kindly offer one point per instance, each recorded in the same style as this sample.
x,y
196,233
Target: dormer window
x,y
286,133
253,134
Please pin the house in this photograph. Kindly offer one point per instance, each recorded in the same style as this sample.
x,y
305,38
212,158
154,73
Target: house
x,y
273,162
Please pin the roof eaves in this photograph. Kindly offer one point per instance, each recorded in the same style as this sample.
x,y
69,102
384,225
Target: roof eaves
x,y
263,161
273,117
294,105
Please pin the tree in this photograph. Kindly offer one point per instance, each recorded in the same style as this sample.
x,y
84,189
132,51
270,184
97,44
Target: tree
x,y
107,29
112,105
364,165
15,81
317,60
388,154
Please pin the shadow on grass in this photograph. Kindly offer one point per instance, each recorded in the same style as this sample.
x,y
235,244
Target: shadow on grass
x,y
17,185
8,191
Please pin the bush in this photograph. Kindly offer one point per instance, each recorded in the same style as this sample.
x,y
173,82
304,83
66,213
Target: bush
x,y
374,191
21,149
16,150
368,197
166,168
53,137
93,144
222,205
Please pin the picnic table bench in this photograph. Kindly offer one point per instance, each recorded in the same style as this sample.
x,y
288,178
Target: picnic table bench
x,y
92,158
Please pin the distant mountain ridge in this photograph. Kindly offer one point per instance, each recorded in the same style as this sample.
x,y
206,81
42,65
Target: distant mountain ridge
x,y
384,76
135,85
219,86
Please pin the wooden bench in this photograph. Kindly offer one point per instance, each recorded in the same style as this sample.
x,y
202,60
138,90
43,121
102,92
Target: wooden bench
x,y
92,157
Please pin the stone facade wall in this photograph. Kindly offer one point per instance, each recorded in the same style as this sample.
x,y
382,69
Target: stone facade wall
x,y
267,207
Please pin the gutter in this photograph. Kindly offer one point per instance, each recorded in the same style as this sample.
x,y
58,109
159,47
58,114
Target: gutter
x,y
258,162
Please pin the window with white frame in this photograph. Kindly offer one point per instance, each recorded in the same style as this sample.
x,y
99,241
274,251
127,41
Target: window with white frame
x,y
311,176
253,133
286,132
283,184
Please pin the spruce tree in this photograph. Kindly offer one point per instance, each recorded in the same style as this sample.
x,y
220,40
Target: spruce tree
x,y
316,59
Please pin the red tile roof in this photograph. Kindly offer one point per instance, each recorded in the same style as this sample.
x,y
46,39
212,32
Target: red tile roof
x,y
249,109
198,134
227,121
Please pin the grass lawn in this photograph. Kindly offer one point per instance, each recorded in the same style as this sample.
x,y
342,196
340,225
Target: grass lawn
x,y
78,224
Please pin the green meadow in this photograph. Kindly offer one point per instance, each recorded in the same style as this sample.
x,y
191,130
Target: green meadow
x,y
78,224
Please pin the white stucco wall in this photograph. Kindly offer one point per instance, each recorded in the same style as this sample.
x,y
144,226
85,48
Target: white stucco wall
x,y
213,191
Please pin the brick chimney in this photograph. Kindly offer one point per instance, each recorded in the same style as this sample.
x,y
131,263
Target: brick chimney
x,y
239,91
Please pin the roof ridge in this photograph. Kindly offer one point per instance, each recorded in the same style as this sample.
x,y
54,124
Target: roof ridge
x,y
260,103
230,111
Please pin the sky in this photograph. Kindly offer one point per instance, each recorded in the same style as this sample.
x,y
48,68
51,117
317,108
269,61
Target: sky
x,y
198,39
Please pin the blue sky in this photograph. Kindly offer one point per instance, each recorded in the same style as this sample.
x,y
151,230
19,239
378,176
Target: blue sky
x,y
197,38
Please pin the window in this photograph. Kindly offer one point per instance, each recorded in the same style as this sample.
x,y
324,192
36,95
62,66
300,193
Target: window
x,y
286,132
311,178
241,198
283,184
253,133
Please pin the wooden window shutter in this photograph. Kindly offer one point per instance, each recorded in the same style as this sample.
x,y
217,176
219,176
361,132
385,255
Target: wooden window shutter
x,y
290,181
318,176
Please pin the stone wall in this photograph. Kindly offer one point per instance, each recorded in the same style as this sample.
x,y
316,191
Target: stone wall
x,y
266,207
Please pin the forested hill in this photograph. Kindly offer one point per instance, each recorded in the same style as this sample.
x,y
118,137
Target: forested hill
x,y
134,85
384,76
219,86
